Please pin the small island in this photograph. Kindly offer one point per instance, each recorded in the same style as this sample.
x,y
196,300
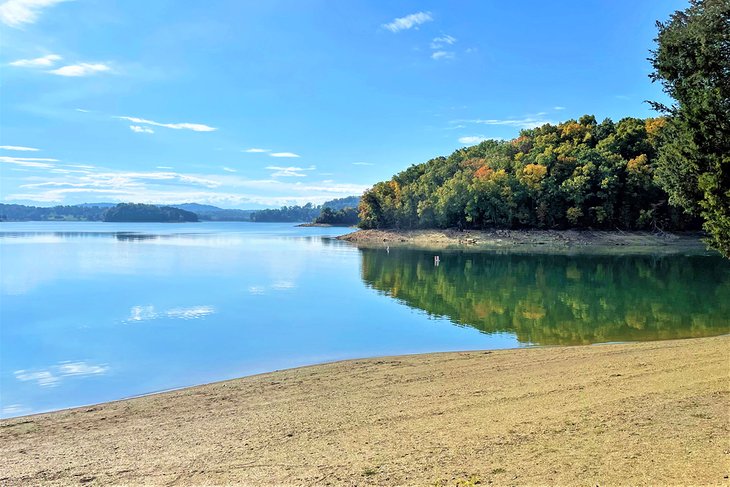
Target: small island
x,y
137,212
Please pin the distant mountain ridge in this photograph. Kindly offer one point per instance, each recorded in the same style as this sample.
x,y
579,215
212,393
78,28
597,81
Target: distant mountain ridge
x,y
96,211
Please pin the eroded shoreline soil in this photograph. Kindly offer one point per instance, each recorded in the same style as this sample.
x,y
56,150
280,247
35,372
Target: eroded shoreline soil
x,y
533,240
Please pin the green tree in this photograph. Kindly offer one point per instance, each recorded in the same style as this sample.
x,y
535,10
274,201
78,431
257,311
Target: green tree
x,y
692,61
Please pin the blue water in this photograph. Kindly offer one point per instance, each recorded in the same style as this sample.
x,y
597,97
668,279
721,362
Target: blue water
x,y
92,312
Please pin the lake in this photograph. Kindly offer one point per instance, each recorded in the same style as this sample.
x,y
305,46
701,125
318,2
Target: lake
x,y
92,312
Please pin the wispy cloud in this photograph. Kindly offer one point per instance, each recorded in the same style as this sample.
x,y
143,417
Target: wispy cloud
x,y
141,130
438,55
472,139
195,127
283,154
290,171
28,161
15,13
439,45
445,40
408,22
171,187
82,110
363,164
228,169
526,122
52,376
81,69
125,180
558,108
256,150
44,61
18,148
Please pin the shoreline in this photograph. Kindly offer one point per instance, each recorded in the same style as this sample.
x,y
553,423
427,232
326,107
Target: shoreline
x,y
612,241
414,419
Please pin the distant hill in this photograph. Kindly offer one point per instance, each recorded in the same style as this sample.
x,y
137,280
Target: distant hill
x,y
196,207
55,213
339,211
137,212
96,205
213,213
342,203
342,209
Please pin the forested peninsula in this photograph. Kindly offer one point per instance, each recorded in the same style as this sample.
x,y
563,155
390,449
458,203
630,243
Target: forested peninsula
x,y
577,174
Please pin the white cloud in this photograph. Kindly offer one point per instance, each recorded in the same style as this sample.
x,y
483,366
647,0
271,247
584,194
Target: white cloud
x,y
256,150
18,148
445,40
526,122
289,171
81,69
437,55
28,161
82,110
119,181
44,61
164,167
408,22
472,139
170,187
283,154
141,130
363,164
558,108
195,127
15,13
228,169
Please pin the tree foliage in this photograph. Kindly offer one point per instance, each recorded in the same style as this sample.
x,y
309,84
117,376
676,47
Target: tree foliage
x,y
578,174
54,213
137,212
310,212
345,216
295,213
692,61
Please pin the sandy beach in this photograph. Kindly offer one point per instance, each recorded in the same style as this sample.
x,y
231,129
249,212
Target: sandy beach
x,y
644,413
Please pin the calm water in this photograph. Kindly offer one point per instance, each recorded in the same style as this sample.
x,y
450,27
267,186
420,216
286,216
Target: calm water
x,y
92,312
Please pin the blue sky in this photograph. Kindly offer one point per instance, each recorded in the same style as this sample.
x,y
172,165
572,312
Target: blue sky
x,y
245,104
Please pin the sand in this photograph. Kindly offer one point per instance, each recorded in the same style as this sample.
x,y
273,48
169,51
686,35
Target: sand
x,y
646,413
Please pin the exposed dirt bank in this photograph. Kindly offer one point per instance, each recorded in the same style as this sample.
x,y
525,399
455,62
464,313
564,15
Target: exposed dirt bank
x,y
550,240
649,413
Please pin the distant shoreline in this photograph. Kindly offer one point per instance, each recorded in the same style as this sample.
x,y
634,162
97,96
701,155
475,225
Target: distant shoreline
x,y
545,240
323,225
407,420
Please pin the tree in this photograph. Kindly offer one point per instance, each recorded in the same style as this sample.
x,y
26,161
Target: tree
x,y
577,174
692,62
